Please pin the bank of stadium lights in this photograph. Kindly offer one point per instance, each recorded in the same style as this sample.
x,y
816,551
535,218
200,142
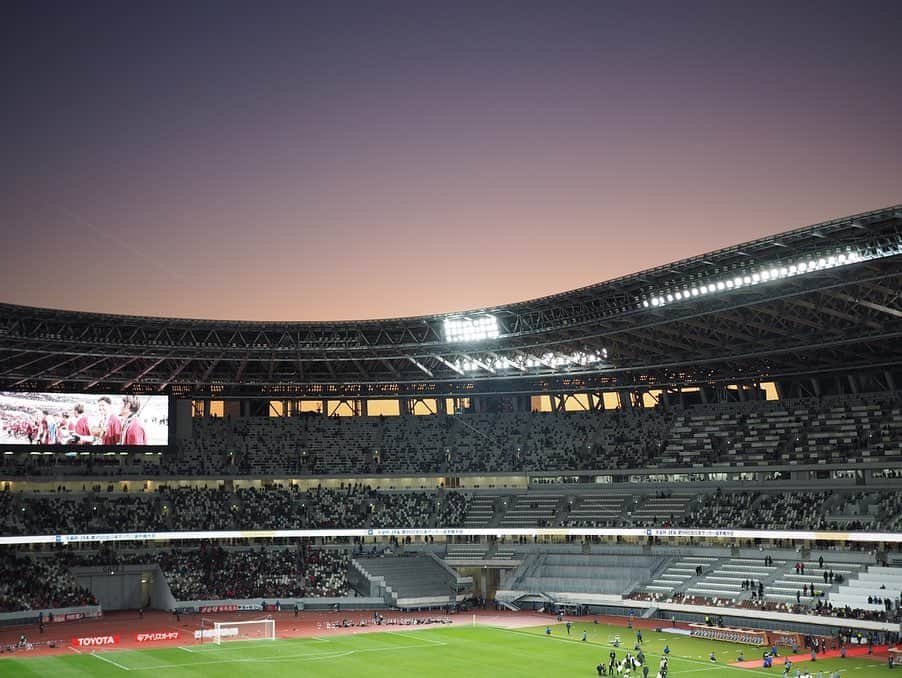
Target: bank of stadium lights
x,y
764,274
552,360
465,329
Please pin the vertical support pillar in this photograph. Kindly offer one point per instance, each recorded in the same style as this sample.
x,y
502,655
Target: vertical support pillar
x,y
623,398
816,386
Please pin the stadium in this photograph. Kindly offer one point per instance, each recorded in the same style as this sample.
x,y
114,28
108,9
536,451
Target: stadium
x,y
694,467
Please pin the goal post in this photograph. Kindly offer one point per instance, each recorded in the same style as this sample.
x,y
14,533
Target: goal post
x,y
256,629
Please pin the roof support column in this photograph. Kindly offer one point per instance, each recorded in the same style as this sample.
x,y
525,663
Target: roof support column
x,y
625,400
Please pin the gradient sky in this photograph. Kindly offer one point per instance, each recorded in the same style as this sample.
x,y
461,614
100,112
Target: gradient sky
x,y
336,160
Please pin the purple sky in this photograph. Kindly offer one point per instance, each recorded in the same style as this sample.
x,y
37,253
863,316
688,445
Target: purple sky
x,y
338,160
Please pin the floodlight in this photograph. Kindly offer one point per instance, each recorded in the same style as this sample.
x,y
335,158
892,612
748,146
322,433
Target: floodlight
x,y
812,262
468,329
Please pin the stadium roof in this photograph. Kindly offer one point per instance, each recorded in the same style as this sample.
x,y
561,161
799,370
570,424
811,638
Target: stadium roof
x,y
820,299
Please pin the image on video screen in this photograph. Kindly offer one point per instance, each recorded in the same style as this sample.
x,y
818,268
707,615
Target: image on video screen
x,y
79,419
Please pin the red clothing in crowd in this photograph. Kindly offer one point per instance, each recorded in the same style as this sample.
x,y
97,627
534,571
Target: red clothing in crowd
x,y
134,433
113,431
81,427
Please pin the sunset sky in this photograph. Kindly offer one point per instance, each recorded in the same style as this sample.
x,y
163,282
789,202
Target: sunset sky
x,y
338,160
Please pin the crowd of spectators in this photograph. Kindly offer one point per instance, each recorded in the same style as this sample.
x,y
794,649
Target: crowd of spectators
x,y
352,505
38,584
748,434
413,509
191,508
889,511
891,613
212,572
195,508
454,509
792,510
68,513
718,509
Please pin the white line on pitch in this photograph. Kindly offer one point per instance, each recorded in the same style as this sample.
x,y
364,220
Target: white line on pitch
x,y
270,660
110,661
409,634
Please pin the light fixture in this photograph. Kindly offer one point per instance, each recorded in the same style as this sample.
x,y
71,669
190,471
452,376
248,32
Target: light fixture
x,y
773,273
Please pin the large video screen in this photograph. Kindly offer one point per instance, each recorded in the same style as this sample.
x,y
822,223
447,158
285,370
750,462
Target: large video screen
x,y
81,419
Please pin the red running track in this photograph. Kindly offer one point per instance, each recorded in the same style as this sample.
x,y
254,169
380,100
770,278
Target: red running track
x,y
856,651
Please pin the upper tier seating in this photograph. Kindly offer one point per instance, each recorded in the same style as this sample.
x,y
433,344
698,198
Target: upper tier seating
x,y
753,434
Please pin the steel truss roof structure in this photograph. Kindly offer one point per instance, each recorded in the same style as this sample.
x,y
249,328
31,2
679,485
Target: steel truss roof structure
x,y
833,318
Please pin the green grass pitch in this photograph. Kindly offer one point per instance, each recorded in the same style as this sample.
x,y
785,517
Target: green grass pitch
x,y
446,651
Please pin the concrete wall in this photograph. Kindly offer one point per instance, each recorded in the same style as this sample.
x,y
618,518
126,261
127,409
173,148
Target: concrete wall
x,y
120,587
59,613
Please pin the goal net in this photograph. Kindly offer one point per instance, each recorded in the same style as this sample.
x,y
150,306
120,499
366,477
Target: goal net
x,y
227,631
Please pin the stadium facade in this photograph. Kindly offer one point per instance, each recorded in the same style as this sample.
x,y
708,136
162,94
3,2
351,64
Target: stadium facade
x,y
748,398
811,303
